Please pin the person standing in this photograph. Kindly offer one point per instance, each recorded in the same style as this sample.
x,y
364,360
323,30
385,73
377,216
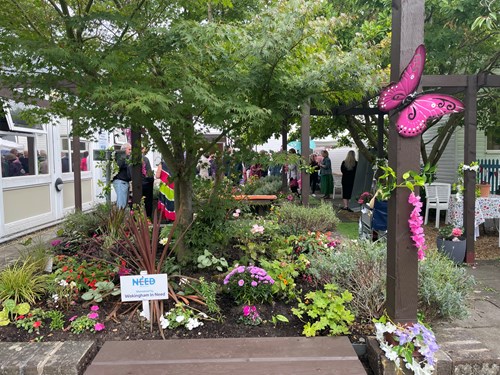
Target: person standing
x,y
325,171
314,173
348,169
83,162
122,179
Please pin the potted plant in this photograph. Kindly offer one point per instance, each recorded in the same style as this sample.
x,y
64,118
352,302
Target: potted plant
x,y
451,241
484,189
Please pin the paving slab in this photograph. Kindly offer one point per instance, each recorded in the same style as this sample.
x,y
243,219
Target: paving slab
x,y
47,358
270,355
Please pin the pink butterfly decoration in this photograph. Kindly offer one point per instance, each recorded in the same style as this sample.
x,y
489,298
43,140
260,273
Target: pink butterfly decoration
x,y
415,109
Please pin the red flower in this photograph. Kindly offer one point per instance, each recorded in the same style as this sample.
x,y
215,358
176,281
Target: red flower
x,y
37,324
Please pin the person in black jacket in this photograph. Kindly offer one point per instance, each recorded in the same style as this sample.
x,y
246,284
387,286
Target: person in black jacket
x,y
122,178
348,169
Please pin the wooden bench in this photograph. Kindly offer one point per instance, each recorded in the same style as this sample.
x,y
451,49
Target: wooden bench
x,y
259,201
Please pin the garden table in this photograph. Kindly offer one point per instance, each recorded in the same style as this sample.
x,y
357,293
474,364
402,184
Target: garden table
x,y
486,208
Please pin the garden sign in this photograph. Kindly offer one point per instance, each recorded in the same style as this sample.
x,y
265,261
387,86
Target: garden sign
x,y
144,287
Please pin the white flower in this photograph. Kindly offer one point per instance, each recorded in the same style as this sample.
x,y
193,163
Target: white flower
x,y
55,297
193,323
163,241
144,315
164,322
63,283
179,318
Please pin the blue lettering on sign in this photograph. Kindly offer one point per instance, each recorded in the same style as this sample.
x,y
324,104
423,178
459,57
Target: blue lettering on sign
x,y
143,281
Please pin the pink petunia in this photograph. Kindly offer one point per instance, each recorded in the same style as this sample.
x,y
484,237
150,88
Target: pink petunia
x,y
94,308
99,327
55,243
93,315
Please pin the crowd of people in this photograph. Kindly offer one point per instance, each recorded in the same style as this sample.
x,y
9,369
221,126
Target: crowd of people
x,y
321,176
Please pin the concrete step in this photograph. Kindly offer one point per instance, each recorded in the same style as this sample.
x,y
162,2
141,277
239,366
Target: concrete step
x,y
68,358
242,356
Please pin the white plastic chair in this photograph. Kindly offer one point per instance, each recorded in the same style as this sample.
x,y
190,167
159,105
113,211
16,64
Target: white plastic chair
x,y
437,197
337,185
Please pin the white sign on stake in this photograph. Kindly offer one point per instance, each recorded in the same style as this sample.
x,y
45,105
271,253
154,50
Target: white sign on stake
x,y
144,287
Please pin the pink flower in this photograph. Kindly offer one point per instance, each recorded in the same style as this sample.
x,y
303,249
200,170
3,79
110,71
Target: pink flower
x,y
55,243
257,229
93,315
94,308
290,197
457,232
37,324
241,282
246,310
415,223
99,327
254,283
73,318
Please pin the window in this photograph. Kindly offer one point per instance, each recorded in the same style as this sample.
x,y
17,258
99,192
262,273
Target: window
x,y
67,146
23,154
13,113
493,140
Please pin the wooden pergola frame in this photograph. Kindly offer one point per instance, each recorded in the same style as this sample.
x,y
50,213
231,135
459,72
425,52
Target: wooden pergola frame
x,y
402,265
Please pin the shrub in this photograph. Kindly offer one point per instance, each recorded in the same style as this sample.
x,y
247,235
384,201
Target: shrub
x,y
357,266
79,224
256,238
360,267
327,311
23,282
296,219
444,288
284,274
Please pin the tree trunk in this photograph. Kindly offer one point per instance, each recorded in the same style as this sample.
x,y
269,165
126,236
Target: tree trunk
x,y
183,192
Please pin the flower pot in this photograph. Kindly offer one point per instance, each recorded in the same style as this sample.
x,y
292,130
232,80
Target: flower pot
x,y
484,189
455,250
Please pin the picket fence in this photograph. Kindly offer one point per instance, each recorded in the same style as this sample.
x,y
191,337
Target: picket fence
x,y
488,172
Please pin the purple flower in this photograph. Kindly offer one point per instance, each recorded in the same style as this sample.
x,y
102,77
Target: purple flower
x,y
254,283
55,243
241,282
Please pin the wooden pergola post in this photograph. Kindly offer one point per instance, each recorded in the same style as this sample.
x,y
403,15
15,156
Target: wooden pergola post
x,y
404,155
77,173
470,156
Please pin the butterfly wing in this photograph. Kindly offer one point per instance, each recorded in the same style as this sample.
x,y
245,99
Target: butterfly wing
x,y
413,118
394,94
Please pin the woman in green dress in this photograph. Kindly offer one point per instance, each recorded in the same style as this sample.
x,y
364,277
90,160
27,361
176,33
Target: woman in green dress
x,y
326,184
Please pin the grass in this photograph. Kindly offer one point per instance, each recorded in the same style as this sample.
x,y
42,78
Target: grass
x,y
348,230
